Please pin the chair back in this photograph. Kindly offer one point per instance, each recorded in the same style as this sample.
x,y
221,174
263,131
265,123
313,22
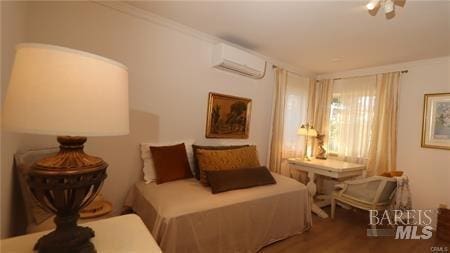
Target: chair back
x,y
375,190
388,190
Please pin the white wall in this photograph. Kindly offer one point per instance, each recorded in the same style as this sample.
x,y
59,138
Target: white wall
x,y
12,32
427,169
170,78
170,73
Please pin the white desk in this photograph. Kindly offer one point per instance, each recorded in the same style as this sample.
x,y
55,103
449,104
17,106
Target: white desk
x,y
330,168
126,233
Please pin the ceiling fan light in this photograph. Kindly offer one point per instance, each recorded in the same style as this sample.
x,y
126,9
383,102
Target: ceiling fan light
x,y
372,4
388,6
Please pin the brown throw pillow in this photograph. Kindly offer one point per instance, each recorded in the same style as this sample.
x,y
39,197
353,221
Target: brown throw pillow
x,y
171,163
231,159
197,147
227,180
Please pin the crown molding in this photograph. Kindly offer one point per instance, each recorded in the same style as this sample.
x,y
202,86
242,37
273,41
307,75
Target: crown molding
x,y
385,68
135,12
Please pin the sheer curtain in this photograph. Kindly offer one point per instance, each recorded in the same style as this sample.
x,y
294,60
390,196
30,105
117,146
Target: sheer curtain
x,y
320,97
351,118
290,110
276,144
358,115
295,114
383,146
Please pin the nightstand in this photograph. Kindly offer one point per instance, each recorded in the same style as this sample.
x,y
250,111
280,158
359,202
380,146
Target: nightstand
x,y
99,207
126,233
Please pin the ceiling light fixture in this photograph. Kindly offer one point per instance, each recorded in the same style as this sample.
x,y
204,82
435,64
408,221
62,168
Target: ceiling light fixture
x,y
372,4
388,5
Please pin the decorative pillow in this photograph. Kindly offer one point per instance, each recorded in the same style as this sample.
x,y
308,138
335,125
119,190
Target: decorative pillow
x,y
226,180
146,156
196,169
171,163
231,159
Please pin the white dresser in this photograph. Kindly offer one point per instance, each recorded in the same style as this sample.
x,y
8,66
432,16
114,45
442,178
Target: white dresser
x,y
126,233
336,169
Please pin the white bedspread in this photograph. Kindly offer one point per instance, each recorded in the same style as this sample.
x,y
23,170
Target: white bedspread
x,y
185,216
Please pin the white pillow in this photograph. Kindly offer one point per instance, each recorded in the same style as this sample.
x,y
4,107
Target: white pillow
x,y
146,156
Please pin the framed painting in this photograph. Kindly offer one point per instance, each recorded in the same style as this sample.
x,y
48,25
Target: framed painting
x,y
436,121
228,116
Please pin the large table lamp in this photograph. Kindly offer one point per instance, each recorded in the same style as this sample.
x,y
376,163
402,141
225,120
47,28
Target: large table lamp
x,y
306,130
70,94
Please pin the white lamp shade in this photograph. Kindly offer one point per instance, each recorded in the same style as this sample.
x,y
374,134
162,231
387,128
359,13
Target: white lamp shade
x,y
60,91
302,131
312,132
372,4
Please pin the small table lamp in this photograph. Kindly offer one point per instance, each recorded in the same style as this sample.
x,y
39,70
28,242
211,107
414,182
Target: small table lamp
x,y
306,130
67,93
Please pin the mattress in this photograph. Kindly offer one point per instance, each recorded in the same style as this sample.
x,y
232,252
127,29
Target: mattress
x,y
184,216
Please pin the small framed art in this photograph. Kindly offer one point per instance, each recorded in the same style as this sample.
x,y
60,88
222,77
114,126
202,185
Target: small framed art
x,y
436,121
228,116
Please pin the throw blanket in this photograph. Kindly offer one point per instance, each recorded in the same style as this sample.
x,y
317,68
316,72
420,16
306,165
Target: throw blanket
x,y
402,199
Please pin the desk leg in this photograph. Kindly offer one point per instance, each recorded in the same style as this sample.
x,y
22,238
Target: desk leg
x,y
312,188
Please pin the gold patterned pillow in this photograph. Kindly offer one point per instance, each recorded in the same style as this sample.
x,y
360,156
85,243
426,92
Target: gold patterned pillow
x,y
231,159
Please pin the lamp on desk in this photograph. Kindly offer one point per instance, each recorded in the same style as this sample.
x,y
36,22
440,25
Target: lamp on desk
x,y
70,94
306,130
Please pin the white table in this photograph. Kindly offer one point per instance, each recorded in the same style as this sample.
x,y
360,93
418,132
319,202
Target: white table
x,y
126,233
330,168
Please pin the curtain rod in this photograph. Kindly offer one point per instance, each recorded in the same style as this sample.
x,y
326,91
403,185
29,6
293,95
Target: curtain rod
x,y
275,66
339,78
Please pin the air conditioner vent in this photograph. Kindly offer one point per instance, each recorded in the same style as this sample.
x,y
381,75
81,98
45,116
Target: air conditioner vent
x,y
238,61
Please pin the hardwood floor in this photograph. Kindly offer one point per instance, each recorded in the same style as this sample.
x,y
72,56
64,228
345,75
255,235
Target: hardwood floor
x,y
347,234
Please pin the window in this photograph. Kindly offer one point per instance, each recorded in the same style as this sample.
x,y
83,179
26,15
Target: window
x,y
335,118
351,115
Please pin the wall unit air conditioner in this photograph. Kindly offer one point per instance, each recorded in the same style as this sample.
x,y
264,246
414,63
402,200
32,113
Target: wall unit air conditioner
x,y
238,61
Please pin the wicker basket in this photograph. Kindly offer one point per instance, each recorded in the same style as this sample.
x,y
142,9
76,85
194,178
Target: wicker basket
x,y
443,224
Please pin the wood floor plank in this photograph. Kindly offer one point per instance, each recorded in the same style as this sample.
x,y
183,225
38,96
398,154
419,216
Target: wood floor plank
x,y
347,234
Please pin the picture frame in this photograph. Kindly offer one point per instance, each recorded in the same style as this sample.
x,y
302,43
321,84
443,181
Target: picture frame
x,y
228,116
436,121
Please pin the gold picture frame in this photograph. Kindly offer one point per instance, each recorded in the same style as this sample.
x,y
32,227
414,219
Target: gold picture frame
x,y
228,116
436,121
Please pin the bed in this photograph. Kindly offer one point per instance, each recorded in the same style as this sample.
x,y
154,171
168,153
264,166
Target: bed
x,y
185,216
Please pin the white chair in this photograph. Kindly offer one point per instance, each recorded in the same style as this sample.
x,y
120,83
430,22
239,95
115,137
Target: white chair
x,y
372,193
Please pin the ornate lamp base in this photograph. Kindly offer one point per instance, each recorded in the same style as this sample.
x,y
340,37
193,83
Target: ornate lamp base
x,y
322,153
68,237
64,184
